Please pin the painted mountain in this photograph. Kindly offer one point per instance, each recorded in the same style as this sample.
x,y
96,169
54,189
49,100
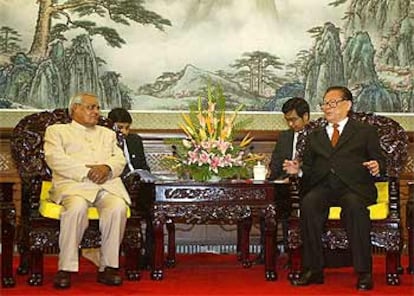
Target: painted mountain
x,y
237,44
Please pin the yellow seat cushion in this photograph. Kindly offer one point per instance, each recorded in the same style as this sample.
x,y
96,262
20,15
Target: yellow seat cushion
x,y
52,210
377,211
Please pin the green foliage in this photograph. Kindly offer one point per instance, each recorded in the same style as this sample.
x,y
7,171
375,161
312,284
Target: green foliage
x,y
120,11
9,40
209,148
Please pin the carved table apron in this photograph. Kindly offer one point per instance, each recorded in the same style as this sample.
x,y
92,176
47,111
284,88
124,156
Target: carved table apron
x,y
229,202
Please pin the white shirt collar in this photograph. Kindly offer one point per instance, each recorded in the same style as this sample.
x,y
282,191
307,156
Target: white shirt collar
x,y
341,125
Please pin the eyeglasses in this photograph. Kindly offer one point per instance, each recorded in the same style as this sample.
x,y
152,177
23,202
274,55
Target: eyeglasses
x,y
331,104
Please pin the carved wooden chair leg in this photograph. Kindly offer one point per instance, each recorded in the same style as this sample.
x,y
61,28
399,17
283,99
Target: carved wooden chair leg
x,y
36,267
295,263
392,264
410,230
410,268
132,255
147,249
8,222
157,272
294,245
24,262
132,245
171,244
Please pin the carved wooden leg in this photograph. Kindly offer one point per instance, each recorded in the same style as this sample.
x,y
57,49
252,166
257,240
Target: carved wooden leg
x,y
260,257
410,229
148,248
23,249
392,264
132,256
8,223
410,268
294,248
245,241
171,244
270,243
36,267
157,272
132,244
239,240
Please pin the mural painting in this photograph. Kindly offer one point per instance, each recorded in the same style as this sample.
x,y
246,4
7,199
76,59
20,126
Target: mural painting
x,y
162,54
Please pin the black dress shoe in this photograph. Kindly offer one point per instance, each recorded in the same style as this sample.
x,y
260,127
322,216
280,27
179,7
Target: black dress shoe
x,y
62,280
364,282
309,277
110,276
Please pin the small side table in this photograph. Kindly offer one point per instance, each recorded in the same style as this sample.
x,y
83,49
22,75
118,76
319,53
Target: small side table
x,y
410,227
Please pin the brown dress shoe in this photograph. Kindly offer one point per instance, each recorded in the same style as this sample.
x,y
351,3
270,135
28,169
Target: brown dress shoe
x,y
309,277
62,280
364,282
110,276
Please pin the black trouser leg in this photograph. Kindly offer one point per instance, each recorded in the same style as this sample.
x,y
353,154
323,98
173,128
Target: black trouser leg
x,y
358,229
314,212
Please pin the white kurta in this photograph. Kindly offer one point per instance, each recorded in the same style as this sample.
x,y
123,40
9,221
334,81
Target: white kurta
x,y
70,147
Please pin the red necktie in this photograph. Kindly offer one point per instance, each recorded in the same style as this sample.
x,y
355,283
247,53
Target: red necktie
x,y
335,135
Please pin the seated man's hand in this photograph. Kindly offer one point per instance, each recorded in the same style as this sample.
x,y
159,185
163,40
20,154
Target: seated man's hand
x,y
291,167
372,166
98,173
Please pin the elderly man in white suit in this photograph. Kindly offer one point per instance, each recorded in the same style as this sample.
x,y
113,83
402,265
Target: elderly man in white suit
x,y
86,163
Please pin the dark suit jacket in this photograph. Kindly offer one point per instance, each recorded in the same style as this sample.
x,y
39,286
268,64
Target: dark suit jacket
x,y
136,153
358,142
283,150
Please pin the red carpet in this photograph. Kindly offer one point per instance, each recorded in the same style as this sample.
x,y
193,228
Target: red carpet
x,y
209,274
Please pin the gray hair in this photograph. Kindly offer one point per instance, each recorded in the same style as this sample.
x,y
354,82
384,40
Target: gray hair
x,y
78,99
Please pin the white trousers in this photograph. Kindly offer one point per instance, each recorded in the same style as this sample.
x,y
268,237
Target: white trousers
x,y
74,221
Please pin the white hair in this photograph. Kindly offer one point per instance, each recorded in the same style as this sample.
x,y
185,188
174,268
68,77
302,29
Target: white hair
x,y
78,99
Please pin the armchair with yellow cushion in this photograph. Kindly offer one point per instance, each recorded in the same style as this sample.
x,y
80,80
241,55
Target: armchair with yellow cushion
x,y
39,229
377,211
52,210
385,214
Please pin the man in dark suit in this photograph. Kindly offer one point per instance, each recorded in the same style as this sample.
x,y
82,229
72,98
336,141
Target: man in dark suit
x,y
296,114
337,169
137,164
134,148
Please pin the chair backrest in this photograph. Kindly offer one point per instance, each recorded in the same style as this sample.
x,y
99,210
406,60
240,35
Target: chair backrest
x,y
27,150
393,139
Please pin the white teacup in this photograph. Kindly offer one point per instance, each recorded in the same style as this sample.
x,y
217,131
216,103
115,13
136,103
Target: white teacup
x,y
259,172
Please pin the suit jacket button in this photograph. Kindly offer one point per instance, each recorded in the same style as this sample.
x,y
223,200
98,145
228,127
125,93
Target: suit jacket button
x,y
332,171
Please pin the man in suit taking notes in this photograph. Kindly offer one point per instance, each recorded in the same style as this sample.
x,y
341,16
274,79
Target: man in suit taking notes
x,y
86,163
337,169
296,114
133,148
136,164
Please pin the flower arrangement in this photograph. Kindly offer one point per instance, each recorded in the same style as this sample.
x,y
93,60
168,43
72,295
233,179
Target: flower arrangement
x,y
209,149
